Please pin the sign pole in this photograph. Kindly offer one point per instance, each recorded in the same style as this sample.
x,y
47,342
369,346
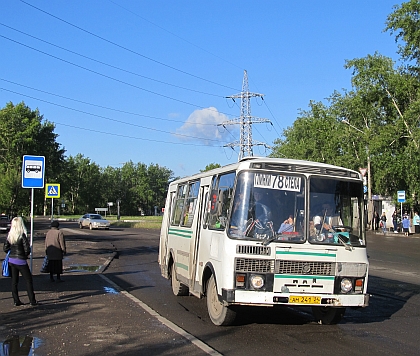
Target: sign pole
x,y
33,169
32,226
52,209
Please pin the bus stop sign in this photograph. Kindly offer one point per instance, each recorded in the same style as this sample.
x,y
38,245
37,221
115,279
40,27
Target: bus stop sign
x,y
33,168
401,196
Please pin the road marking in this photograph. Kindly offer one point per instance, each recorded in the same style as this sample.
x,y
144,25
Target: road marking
x,y
201,345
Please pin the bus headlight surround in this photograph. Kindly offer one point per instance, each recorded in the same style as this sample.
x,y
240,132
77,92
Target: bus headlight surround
x,y
256,281
346,285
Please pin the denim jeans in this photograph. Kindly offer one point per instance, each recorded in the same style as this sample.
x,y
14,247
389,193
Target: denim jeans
x,y
26,273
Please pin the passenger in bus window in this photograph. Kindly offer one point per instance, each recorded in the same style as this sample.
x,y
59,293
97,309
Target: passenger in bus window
x,y
287,225
332,218
260,211
325,221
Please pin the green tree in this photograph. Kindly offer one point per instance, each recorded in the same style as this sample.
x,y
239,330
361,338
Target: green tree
x,y
158,179
25,132
404,23
210,167
82,185
314,136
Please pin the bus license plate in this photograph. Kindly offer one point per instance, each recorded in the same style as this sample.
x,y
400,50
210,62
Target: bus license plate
x,y
307,299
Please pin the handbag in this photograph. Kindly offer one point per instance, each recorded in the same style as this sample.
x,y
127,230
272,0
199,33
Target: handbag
x,y
5,266
45,267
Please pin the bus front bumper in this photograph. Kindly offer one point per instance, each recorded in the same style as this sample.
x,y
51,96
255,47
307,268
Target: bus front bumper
x,y
243,297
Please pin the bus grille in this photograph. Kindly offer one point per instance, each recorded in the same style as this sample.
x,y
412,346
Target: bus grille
x,y
253,250
252,265
303,267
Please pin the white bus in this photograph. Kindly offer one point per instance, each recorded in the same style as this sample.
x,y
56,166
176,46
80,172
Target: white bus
x,y
266,232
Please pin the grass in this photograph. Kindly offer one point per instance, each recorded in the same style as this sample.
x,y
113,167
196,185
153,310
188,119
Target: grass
x,y
143,222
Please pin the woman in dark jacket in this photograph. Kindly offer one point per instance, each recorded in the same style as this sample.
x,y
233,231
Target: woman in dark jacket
x,y
18,245
55,248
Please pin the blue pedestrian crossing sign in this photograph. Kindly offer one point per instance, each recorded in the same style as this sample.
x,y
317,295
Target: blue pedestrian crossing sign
x,y
52,190
33,168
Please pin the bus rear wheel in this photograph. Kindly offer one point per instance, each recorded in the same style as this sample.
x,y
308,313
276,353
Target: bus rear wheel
x,y
178,288
219,314
328,315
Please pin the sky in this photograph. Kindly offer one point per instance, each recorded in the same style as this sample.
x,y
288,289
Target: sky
x,y
148,81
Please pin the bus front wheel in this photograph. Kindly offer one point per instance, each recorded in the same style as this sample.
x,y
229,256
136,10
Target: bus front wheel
x,y
219,314
328,315
178,288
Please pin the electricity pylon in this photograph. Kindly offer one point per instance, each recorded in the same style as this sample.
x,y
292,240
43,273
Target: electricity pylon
x,y
245,121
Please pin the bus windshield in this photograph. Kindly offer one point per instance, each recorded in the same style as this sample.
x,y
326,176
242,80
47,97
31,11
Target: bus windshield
x,y
274,207
336,209
269,206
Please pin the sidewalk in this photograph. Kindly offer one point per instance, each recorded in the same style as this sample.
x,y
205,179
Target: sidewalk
x,y
392,233
84,315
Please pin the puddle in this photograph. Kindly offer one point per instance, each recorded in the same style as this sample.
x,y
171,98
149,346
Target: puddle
x,y
20,346
82,268
110,290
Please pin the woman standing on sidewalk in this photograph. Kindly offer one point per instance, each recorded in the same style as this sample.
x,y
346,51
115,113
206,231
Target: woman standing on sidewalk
x,y
55,248
18,245
416,222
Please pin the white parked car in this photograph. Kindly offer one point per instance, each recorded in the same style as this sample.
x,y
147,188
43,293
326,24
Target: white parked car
x,y
93,221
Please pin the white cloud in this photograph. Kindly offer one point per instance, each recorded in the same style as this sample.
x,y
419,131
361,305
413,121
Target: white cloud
x,y
202,125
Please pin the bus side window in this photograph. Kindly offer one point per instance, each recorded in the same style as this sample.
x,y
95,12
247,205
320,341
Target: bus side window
x,y
190,204
220,199
179,205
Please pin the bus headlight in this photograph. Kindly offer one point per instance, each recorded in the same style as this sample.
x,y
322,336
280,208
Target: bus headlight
x,y
346,285
349,269
256,281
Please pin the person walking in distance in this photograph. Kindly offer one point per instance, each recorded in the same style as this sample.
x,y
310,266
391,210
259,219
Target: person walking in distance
x,y
18,244
55,249
376,219
383,222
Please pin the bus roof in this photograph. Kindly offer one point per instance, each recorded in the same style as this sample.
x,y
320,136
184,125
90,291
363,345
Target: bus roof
x,y
252,162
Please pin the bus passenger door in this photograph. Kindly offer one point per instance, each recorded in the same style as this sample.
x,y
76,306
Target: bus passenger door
x,y
195,266
163,243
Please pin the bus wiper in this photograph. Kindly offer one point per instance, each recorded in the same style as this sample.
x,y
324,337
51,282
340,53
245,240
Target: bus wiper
x,y
268,240
348,245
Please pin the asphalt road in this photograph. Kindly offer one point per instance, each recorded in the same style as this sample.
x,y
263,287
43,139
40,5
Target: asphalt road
x,y
388,326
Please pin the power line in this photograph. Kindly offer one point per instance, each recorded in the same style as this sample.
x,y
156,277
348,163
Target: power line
x,y
102,75
245,121
125,48
175,35
109,77
99,106
201,48
107,118
110,65
134,52
133,137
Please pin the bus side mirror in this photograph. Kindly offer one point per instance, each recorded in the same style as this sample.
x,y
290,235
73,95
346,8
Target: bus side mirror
x,y
214,199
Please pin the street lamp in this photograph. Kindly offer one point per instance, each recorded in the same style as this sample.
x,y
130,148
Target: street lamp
x,y
370,208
